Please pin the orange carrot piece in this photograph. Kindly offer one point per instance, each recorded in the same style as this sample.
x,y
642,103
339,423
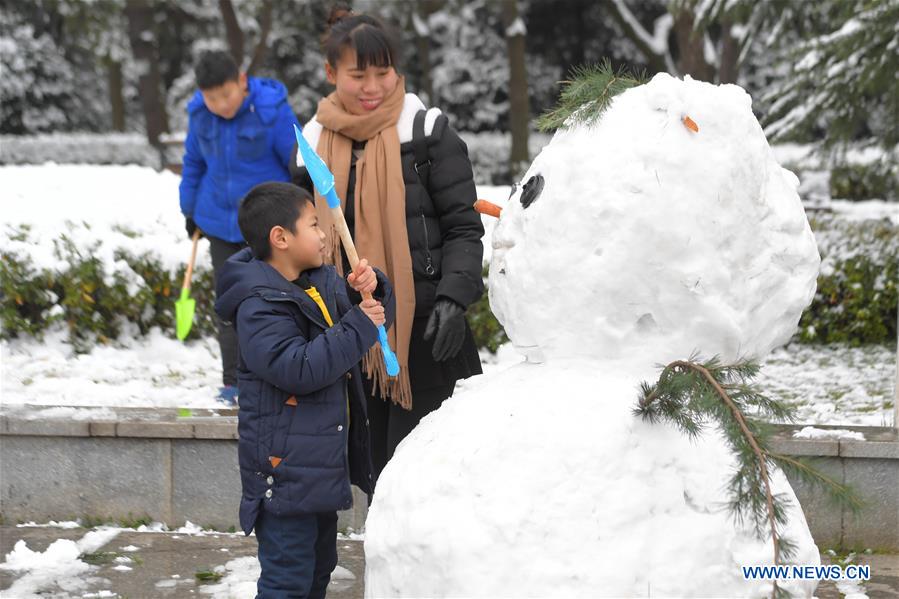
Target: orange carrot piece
x,y
488,208
691,124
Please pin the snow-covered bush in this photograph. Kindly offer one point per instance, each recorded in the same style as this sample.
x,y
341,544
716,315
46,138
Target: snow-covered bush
x,y
856,298
80,148
96,304
857,181
95,301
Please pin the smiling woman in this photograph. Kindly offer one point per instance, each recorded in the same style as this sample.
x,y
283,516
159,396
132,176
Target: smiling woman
x,y
406,184
362,61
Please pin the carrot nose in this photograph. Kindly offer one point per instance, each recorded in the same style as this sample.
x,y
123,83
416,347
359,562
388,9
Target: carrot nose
x,y
488,208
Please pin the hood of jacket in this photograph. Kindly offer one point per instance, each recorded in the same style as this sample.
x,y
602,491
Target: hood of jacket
x,y
244,276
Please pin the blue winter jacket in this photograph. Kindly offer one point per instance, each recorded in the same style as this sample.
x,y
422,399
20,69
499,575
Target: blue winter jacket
x,y
302,417
225,158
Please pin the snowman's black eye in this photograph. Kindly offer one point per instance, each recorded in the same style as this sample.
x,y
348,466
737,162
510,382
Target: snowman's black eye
x,y
532,190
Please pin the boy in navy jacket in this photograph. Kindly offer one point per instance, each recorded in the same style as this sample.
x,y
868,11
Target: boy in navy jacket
x,y
302,417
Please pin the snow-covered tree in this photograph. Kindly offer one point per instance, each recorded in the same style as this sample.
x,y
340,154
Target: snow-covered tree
x,y
97,32
36,86
842,87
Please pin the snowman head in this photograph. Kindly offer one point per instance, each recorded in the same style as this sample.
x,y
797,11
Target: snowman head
x,y
650,235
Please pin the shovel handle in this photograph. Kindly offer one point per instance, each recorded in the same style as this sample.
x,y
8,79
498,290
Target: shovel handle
x,y
193,258
349,247
390,361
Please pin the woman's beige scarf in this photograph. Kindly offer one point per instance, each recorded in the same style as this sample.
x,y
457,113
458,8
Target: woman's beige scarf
x,y
380,217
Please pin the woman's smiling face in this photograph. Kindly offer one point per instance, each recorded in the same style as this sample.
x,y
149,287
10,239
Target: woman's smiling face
x,y
361,90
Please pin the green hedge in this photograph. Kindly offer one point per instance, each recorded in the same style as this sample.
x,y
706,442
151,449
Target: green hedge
x,y
855,301
856,298
94,305
876,180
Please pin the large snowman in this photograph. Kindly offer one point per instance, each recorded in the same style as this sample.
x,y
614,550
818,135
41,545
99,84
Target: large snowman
x,y
665,227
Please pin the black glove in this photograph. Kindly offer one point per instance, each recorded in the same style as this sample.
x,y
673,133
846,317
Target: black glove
x,y
447,321
191,226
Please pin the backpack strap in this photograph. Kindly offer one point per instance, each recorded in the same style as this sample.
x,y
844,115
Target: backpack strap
x,y
420,148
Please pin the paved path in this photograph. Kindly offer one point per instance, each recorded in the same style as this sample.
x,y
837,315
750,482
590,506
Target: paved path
x,y
166,565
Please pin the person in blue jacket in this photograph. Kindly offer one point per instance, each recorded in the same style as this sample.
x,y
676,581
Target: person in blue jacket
x,y
239,134
302,416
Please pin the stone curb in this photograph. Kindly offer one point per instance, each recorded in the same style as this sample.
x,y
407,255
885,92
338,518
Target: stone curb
x,y
131,422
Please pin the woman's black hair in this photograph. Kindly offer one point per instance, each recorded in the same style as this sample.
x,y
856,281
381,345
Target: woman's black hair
x,y
374,43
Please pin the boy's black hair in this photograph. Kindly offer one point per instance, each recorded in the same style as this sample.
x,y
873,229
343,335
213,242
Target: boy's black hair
x,y
215,68
374,43
270,205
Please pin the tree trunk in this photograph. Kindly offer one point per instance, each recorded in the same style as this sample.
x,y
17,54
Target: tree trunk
x,y
519,113
690,52
140,32
232,31
730,54
116,98
265,27
173,53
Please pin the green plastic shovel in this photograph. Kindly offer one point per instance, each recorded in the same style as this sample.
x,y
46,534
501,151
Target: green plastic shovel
x,y
184,307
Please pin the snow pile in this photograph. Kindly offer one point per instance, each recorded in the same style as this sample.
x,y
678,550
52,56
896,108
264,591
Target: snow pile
x,y
826,384
155,370
238,580
102,209
59,566
71,413
648,242
51,524
867,210
810,432
81,148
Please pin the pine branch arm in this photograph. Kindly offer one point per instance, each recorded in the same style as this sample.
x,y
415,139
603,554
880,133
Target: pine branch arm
x,y
750,438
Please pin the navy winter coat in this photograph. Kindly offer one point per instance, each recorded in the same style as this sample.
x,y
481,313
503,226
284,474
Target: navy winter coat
x,y
225,158
299,449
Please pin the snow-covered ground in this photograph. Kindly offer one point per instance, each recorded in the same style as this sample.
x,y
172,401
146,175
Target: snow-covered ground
x,y
137,208
78,560
829,384
834,384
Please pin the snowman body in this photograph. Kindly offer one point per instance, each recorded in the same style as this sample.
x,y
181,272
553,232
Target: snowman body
x,y
648,242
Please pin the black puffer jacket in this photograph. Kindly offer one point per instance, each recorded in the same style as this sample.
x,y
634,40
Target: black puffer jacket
x,y
444,233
